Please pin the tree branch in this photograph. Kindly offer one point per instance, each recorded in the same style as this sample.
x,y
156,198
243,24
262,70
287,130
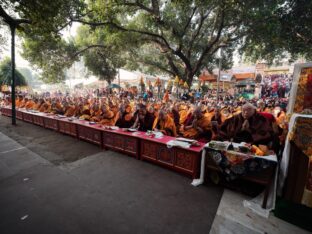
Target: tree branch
x,y
158,66
210,45
10,20
195,35
87,48
173,66
138,4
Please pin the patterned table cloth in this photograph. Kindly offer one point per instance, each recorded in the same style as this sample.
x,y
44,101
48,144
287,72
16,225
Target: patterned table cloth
x,y
235,164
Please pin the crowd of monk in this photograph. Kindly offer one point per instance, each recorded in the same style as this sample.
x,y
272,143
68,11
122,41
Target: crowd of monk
x,y
201,121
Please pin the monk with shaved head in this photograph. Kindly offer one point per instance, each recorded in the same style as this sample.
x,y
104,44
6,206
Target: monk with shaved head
x,y
200,127
248,126
165,124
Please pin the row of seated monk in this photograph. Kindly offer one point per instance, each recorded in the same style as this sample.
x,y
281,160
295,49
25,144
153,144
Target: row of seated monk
x,y
244,123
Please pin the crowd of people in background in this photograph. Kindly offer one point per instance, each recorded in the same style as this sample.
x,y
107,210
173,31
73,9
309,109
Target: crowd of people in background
x,y
276,85
192,115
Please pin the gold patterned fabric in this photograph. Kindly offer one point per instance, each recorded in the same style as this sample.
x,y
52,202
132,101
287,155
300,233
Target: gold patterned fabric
x,y
307,193
301,135
303,99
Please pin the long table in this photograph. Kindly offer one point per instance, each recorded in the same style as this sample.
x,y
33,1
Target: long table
x,y
233,165
135,144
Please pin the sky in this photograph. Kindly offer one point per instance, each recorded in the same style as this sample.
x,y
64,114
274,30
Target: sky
x,y
20,61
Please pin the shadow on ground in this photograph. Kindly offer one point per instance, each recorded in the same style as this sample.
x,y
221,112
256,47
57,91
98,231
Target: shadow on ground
x,y
86,190
51,145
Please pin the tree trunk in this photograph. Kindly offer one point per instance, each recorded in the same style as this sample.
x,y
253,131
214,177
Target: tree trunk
x,y
189,78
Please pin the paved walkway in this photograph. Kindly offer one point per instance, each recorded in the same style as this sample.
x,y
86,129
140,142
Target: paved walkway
x,y
103,192
233,217
51,183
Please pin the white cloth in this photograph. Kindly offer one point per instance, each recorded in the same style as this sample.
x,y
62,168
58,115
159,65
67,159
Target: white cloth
x,y
199,181
182,144
254,204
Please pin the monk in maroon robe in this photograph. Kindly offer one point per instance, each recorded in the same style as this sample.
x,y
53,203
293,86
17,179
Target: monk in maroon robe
x,y
248,126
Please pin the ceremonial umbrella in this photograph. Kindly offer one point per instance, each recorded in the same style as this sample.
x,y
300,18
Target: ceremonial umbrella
x,y
114,86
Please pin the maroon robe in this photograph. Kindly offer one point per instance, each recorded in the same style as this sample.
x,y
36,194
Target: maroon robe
x,y
260,130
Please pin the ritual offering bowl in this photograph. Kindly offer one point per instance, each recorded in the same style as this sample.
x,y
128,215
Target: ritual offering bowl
x,y
243,149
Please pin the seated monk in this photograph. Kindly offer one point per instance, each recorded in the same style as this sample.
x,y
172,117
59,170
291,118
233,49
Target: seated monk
x,y
225,114
260,105
209,112
125,118
174,114
85,111
56,108
113,106
70,111
96,113
107,116
23,103
144,120
18,101
269,108
44,107
3,102
280,116
60,107
29,104
200,128
38,103
248,126
220,115
165,124
183,112
79,109
151,110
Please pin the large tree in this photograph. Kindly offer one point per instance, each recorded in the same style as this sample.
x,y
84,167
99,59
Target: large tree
x,y
43,44
100,52
177,37
279,28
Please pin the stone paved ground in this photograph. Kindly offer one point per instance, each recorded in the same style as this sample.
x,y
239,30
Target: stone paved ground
x,y
51,183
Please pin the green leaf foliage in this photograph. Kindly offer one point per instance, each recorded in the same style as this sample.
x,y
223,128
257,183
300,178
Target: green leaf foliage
x,y
173,37
6,74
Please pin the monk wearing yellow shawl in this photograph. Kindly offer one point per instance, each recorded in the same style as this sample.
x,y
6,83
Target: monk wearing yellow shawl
x,y
23,103
85,111
71,110
165,124
107,116
45,106
183,112
200,128
280,116
29,104
18,101
37,104
96,113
